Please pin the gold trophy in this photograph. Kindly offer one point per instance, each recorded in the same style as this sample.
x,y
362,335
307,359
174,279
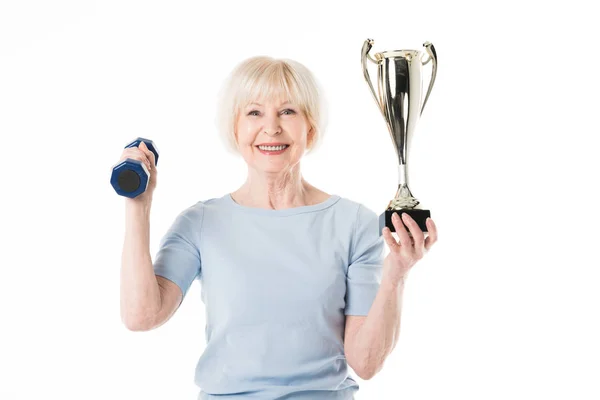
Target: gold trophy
x,y
400,99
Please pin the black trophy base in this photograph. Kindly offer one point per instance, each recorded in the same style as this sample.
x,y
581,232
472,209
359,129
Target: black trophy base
x,y
420,216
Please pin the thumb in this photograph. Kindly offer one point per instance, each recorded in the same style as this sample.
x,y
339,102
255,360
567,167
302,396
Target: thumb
x,y
148,153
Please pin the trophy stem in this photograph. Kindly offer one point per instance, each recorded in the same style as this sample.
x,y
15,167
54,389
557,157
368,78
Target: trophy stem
x,y
404,199
402,175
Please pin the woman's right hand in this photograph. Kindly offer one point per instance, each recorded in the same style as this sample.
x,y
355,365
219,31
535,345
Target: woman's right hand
x,y
143,154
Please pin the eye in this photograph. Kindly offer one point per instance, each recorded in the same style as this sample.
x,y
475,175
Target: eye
x,y
290,110
252,112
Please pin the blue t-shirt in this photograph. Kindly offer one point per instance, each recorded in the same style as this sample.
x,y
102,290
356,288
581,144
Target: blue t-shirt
x,y
277,285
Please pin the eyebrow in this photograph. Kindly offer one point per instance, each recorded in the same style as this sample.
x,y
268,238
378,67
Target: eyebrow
x,y
258,104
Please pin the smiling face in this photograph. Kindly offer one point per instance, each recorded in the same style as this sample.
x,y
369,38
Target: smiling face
x,y
279,125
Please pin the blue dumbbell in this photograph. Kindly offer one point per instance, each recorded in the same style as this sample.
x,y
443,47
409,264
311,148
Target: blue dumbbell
x,y
130,177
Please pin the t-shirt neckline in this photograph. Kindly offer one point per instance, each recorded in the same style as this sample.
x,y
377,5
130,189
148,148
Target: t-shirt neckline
x,y
285,211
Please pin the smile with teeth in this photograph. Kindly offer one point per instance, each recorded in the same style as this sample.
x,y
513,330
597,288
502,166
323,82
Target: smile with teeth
x,y
273,148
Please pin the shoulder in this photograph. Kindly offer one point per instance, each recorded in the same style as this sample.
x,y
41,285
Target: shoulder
x,y
365,223
192,212
200,207
189,220
361,212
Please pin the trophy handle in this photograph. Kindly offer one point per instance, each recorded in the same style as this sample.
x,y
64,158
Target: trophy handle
x,y
432,57
364,56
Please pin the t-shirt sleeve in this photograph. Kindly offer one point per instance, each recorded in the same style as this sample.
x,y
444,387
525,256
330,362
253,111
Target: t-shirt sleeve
x,y
366,263
178,257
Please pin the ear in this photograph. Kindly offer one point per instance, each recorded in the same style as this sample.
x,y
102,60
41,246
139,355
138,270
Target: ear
x,y
235,140
310,137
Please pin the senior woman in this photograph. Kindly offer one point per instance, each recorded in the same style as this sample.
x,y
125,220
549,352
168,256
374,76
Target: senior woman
x,y
293,278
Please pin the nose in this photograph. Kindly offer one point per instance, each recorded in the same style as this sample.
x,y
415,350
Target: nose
x,y
272,126
272,132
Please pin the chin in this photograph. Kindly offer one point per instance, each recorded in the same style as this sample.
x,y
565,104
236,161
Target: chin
x,y
271,170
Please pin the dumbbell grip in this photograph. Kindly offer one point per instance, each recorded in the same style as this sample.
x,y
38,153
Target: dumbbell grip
x,y
151,146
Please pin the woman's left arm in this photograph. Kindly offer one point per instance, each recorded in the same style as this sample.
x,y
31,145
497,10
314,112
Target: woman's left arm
x,y
371,343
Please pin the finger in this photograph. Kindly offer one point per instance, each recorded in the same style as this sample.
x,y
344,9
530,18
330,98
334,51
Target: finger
x,y
415,230
152,157
401,231
142,151
143,148
149,155
144,158
137,154
148,162
389,239
433,234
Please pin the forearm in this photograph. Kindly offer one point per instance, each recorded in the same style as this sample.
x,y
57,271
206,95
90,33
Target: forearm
x,y
378,335
140,293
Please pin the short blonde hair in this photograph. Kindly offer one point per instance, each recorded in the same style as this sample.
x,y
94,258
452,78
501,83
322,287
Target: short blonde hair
x,y
265,77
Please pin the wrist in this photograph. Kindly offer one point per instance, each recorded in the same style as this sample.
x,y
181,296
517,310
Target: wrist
x,y
137,206
394,283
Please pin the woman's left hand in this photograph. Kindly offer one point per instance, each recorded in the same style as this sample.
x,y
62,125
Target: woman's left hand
x,y
405,253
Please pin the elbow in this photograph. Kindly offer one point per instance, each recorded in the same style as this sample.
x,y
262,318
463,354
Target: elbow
x,y
367,372
136,327
137,324
138,320
363,368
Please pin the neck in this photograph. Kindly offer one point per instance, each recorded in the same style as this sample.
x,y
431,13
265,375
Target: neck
x,y
275,191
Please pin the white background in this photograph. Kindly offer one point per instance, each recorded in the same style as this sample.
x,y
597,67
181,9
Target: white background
x,y
505,306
